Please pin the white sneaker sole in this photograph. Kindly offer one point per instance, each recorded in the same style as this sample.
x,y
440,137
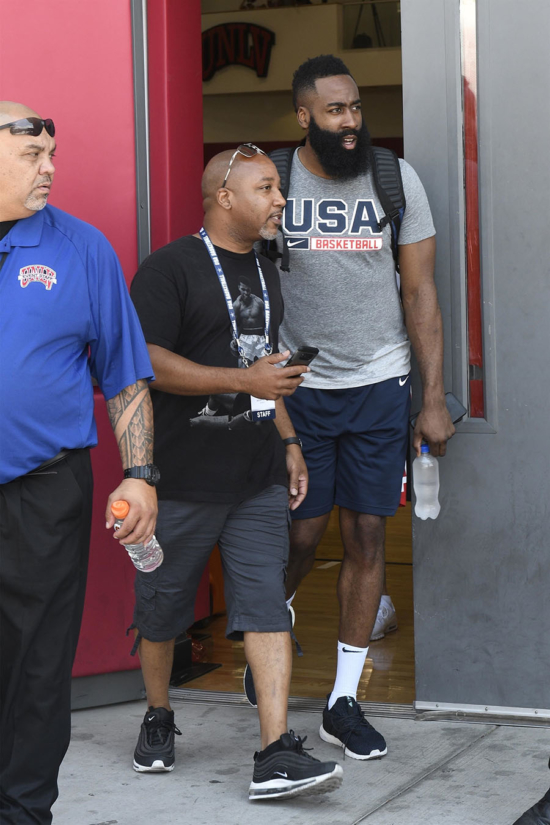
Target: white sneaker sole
x,y
158,766
285,788
332,740
381,635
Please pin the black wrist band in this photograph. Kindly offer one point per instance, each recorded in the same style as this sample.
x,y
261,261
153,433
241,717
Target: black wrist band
x,y
294,440
148,472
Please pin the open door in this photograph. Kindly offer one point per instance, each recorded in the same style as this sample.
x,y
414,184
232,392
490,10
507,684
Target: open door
x,y
476,126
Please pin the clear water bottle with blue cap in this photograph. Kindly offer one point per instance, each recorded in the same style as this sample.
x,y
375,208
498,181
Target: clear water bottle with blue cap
x,y
426,484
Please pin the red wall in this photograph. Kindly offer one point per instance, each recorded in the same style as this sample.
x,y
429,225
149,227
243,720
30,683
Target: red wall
x,y
175,118
71,60
60,58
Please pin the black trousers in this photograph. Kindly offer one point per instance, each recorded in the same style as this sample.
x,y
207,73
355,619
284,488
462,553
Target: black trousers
x,y
45,523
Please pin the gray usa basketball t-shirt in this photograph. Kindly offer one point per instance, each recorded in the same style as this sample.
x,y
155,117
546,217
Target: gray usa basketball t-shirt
x,y
341,294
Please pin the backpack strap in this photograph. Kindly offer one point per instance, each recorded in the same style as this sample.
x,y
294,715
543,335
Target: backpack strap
x,y
282,158
388,182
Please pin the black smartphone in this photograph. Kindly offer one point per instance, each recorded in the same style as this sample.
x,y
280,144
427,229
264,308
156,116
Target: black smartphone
x,y
457,411
302,357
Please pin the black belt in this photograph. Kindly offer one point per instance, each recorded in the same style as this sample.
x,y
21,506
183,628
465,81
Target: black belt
x,y
49,463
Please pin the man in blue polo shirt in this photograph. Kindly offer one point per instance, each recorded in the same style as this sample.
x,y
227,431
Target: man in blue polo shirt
x,y
65,316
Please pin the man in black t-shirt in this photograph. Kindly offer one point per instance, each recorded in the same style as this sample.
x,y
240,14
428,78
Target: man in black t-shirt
x,y
225,477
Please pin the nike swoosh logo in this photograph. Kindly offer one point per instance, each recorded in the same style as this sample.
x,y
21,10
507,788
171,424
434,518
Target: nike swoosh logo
x,y
293,243
345,650
278,773
403,381
150,718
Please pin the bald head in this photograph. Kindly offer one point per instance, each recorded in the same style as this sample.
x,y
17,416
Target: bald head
x,y
249,207
14,111
242,169
214,174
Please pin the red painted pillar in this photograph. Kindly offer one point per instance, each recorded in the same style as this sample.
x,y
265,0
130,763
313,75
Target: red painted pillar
x,y
175,137
175,118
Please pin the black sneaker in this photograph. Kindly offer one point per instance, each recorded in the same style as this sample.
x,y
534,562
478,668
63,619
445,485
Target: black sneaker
x,y
248,679
284,770
539,814
155,747
249,689
345,725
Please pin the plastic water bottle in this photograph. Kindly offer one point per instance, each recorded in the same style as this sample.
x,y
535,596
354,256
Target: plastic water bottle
x,y
426,484
146,557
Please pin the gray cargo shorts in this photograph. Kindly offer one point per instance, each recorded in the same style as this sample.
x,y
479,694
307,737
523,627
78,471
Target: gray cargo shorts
x,y
253,540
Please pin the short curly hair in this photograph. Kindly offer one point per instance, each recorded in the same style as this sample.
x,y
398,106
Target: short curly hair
x,y
325,65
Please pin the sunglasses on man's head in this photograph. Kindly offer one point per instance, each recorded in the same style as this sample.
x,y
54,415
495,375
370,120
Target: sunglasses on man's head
x,y
30,126
247,150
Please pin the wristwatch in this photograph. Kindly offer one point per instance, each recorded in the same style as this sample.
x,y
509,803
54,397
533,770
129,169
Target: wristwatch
x,y
294,440
148,472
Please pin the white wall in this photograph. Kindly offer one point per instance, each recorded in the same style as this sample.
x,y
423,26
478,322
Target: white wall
x,y
301,32
270,116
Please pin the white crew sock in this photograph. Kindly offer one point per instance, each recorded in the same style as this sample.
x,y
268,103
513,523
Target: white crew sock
x,y
289,601
386,600
348,672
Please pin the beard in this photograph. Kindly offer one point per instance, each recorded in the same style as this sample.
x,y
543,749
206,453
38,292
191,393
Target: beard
x,y
338,162
36,202
268,234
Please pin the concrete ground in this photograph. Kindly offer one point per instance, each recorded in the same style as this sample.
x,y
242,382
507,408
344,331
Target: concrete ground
x,y
436,773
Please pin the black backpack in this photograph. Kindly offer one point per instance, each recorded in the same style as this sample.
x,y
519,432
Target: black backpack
x,y
389,188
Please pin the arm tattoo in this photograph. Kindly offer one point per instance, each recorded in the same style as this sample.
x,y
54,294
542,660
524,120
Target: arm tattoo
x,y
131,415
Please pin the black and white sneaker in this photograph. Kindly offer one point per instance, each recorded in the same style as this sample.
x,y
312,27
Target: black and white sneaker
x,y
248,679
539,814
249,689
284,770
345,725
155,747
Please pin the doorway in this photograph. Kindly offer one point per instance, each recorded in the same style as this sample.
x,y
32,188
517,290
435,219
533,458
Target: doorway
x,y
388,675
241,107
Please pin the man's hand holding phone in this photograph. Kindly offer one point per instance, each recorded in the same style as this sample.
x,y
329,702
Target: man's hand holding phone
x,y
264,379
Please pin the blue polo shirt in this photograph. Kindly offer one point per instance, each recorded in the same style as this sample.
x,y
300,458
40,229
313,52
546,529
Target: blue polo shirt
x,y
65,315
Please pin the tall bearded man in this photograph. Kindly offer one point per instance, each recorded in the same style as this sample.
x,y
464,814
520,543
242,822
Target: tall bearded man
x,y
351,413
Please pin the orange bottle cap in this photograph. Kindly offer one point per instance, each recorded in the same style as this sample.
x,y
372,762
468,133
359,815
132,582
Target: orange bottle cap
x,y
120,509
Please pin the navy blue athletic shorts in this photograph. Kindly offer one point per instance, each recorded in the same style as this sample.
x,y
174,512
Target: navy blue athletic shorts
x,y
355,446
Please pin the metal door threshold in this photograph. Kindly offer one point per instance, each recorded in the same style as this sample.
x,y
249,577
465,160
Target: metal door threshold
x,y
297,703
478,715
389,710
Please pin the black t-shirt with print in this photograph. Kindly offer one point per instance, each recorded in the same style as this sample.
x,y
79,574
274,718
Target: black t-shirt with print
x,y
182,308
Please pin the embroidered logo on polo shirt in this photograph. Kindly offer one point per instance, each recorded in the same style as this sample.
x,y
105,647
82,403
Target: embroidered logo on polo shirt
x,y
37,273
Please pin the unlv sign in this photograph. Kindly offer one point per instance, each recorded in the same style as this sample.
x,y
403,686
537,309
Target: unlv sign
x,y
236,44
